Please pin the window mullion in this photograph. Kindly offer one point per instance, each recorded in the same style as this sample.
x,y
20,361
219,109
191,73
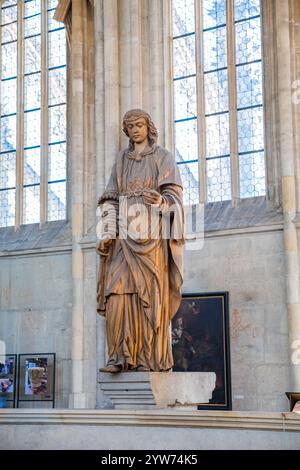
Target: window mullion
x,y
200,100
20,117
232,97
44,115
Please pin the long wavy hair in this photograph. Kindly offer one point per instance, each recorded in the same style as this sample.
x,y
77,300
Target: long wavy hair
x,y
133,115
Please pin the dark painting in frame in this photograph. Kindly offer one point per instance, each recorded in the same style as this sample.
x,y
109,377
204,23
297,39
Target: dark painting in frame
x,y
36,378
201,342
8,368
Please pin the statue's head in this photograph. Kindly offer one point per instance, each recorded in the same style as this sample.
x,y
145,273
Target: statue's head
x,y
135,114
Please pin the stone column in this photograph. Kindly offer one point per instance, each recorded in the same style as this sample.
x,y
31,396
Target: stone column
x,y
111,83
107,122
77,398
288,180
82,181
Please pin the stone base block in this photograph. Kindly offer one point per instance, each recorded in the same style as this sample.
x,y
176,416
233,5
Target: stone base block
x,y
146,390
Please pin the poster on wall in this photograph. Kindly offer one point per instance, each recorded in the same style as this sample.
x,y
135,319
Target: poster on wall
x,y
200,342
8,364
36,378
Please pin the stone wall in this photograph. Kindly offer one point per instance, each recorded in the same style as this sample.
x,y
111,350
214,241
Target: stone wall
x,y
152,429
251,267
35,304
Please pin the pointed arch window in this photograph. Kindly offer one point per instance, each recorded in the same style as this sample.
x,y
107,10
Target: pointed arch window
x,y
218,99
33,113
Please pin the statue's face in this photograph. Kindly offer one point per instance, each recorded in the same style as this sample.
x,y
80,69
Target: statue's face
x,y
138,130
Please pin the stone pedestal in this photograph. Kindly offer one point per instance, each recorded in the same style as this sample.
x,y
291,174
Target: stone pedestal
x,y
149,390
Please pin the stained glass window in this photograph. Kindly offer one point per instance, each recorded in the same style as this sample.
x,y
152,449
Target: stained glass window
x,y
33,113
218,101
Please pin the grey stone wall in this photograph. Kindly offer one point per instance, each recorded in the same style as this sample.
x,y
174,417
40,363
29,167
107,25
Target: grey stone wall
x,y
36,298
251,267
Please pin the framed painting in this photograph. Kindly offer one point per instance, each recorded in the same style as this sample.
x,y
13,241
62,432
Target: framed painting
x,y
8,365
201,343
36,378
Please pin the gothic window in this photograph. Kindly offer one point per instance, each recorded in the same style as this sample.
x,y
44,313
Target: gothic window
x,y
218,99
33,113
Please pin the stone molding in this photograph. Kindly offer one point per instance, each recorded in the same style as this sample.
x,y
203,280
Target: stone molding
x,y
282,422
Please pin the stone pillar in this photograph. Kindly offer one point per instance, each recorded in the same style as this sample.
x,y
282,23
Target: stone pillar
x,y
156,88
107,122
288,157
111,83
82,208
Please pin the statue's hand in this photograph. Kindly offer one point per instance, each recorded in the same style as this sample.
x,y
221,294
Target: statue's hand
x,y
152,197
103,246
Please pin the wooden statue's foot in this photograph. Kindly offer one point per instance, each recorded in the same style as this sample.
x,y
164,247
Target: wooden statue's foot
x,y
142,369
111,368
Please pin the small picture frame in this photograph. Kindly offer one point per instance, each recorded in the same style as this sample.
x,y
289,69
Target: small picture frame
x,y
201,342
8,369
36,378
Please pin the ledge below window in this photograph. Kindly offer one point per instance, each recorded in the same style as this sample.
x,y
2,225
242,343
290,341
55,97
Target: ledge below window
x,y
250,212
33,237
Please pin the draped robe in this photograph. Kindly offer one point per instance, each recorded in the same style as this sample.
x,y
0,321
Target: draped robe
x,y
139,288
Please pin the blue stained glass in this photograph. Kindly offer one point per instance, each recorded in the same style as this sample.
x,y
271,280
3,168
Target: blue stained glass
x,y
32,114
185,98
246,8
57,201
7,3
9,96
249,85
32,91
9,32
57,48
57,86
215,53
249,94
186,140
57,123
248,41
32,25
31,201
32,8
9,60
250,129
218,179
189,173
8,15
214,13
57,162
184,59
183,17
7,208
32,166
7,170
32,125
52,4
216,91
217,135
33,54
8,133
52,23
252,174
